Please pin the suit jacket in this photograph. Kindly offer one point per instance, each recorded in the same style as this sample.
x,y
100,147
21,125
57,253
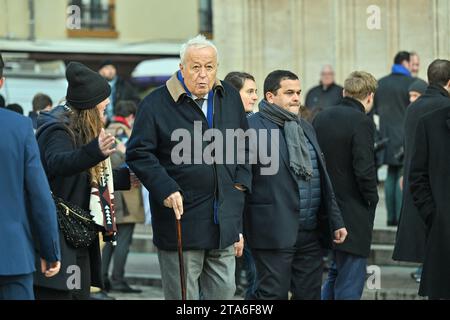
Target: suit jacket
x,y
346,136
271,219
26,205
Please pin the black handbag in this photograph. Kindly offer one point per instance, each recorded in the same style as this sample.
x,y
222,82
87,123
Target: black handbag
x,y
76,224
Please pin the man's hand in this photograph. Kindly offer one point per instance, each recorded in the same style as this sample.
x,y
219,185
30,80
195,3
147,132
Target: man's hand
x,y
239,246
134,181
52,270
121,147
340,235
106,143
240,187
175,201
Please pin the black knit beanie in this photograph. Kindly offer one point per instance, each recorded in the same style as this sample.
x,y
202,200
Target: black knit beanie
x,y
86,87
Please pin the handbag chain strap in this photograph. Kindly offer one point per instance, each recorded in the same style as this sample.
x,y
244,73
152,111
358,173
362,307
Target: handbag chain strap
x,y
68,210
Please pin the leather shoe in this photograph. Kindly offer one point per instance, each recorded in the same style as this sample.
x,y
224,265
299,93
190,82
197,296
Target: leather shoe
x,y
124,287
101,295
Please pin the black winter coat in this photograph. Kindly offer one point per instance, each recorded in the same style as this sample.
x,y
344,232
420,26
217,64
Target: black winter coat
x,y
319,99
149,155
125,91
430,186
66,166
346,137
410,239
272,209
391,101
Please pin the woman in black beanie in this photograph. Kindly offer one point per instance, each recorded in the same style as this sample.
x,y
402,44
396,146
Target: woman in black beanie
x,y
75,153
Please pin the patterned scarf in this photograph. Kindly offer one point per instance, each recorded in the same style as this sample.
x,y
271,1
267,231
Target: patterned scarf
x,y
101,204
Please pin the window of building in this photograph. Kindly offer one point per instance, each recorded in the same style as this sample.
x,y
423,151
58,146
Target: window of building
x,y
206,23
97,19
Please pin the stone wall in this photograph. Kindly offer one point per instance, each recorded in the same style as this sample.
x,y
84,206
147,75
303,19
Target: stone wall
x,y
259,36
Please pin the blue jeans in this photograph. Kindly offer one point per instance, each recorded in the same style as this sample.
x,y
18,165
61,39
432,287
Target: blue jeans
x,y
346,277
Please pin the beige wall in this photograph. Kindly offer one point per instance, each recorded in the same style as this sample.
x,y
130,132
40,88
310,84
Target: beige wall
x,y
50,16
259,36
14,18
139,20
136,20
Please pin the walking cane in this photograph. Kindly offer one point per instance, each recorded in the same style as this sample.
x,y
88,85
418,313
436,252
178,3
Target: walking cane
x,y
181,261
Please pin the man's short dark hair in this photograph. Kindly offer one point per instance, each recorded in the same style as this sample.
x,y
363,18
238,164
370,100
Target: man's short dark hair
x,y
402,56
237,79
2,65
273,80
15,107
125,108
439,72
41,101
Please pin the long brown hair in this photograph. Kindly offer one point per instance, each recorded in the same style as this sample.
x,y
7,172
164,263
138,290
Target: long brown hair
x,y
86,126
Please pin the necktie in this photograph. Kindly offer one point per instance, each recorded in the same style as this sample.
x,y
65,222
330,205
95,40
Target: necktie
x,y
199,102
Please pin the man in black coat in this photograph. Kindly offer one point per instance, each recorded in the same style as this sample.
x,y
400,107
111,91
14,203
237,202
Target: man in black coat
x,y
121,89
430,184
410,240
208,194
346,136
326,94
292,211
391,100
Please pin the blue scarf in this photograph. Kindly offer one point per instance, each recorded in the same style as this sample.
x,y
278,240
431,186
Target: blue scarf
x,y
209,119
399,69
210,110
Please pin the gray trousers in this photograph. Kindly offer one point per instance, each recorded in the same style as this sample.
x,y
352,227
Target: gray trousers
x,y
210,272
120,253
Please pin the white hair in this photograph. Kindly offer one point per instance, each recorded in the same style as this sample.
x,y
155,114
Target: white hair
x,y
198,42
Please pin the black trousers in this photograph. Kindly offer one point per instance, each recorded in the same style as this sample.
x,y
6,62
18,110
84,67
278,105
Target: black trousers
x,y
119,252
298,270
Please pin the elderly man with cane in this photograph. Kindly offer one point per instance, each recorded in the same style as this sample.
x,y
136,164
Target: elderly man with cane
x,y
209,195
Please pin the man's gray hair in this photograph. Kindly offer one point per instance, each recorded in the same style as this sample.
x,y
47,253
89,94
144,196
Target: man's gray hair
x,y
198,42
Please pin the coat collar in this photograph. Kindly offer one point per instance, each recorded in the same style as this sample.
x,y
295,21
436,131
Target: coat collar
x,y
437,90
353,103
177,91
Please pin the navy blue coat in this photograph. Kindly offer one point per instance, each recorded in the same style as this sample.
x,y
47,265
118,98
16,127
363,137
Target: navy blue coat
x,y
149,155
271,219
23,182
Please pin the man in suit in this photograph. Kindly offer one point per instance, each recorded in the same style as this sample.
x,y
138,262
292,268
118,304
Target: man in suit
x,y
26,207
346,136
292,212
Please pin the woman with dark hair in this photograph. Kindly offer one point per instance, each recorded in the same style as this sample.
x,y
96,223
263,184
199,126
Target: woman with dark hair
x,y
75,154
246,85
